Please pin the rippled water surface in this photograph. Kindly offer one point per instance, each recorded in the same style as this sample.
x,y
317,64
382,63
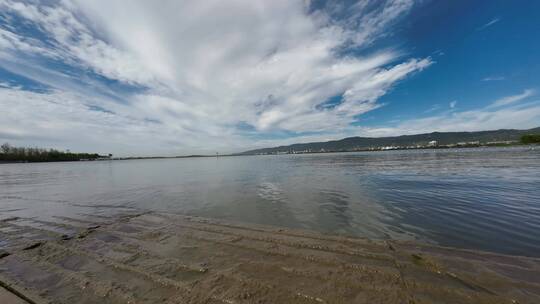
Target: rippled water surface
x,y
485,199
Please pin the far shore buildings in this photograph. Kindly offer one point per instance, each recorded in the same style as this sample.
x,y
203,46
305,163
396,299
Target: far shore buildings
x,y
423,145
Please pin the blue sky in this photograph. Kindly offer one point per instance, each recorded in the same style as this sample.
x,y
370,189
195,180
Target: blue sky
x,y
483,50
182,77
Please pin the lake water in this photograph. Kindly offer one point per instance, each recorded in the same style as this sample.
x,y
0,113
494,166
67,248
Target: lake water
x,y
485,199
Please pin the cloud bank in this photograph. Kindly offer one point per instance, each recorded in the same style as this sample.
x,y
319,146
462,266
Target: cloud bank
x,y
508,112
181,77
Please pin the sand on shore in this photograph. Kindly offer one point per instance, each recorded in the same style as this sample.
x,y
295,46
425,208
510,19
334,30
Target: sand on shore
x,y
164,258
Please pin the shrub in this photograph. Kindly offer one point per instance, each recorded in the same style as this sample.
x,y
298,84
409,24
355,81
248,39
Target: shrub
x,y
530,138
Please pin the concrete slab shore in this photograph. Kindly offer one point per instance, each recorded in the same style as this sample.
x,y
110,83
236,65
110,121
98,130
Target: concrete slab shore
x,y
164,258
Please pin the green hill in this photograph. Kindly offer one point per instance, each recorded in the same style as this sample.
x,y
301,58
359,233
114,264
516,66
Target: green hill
x,y
366,143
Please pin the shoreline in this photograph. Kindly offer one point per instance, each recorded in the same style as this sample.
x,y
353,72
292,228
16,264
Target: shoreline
x,y
531,146
157,257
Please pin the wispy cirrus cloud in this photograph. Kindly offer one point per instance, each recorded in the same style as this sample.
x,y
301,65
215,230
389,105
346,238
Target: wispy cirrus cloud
x,y
433,108
493,78
509,116
518,117
505,112
184,75
504,101
133,77
488,24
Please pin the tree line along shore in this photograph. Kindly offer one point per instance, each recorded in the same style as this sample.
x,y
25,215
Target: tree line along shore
x,y
9,153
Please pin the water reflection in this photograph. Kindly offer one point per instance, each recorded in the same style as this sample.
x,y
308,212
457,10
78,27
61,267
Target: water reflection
x,y
474,198
333,211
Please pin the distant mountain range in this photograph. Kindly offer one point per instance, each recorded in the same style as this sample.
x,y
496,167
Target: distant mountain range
x,y
418,140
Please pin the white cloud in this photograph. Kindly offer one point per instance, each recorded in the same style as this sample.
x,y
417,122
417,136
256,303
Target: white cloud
x,y
481,119
477,120
513,99
71,41
205,66
490,23
433,108
494,78
70,121
507,115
